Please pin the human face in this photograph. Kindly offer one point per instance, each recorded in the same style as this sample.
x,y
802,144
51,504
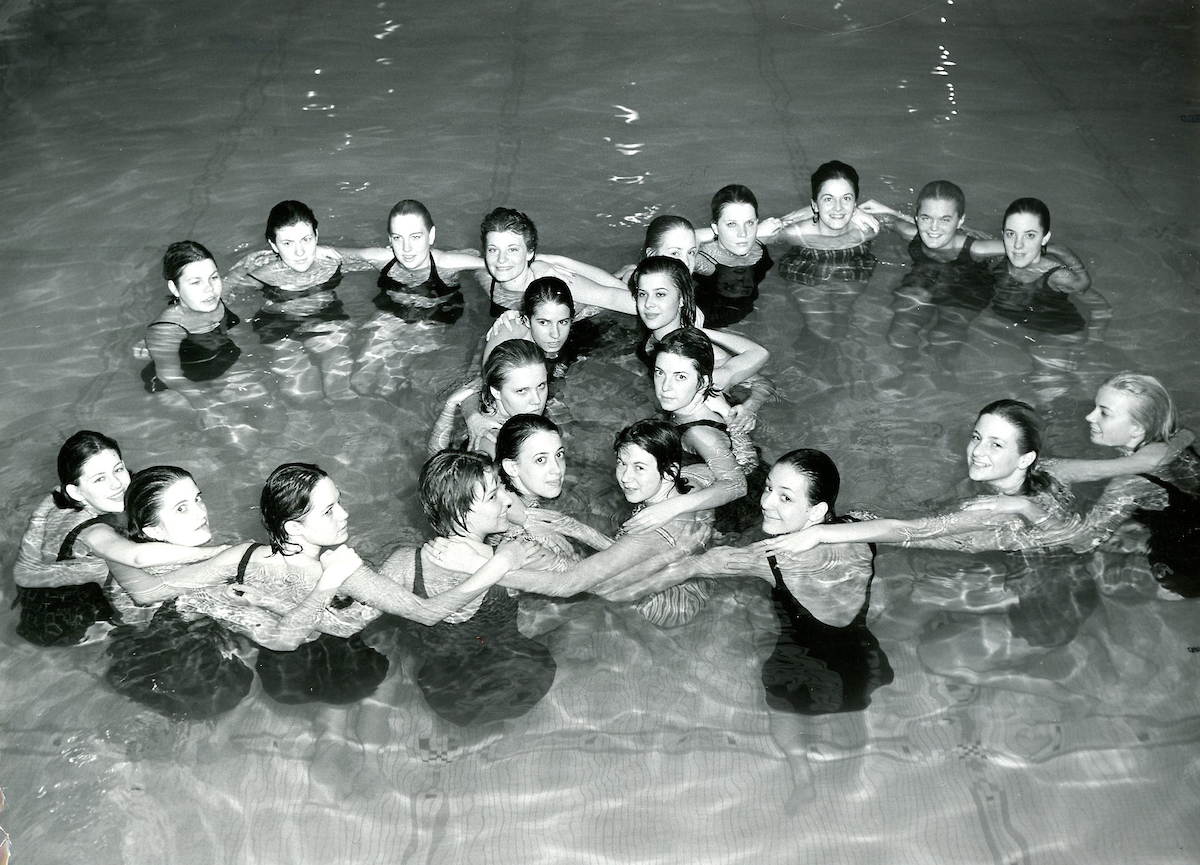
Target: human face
x,y
1024,239
507,256
658,302
102,483
296,245
638,475
736,228
834,206
326,524
523,391
993,455
1112,422
410,240
550,326
785,503
677,384
198,286
679,243
540,465
489,510
182,516
937,222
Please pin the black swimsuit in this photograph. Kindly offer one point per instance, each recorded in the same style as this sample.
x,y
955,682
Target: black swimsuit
x,y
202,356
328,669
1174,545
727,294
272,326
483,669
61,615
394,297
1037,305
819,669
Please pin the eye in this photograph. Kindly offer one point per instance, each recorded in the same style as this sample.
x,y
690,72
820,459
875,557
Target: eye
x,y
784,498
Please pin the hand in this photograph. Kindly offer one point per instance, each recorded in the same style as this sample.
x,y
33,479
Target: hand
x,y
625,272
1004,505
516,552
875,208
480,428
328,253
337,566
797,216
741,419
794,542
769,227
694,535
651,517
250,596
453,554
975,233
864,222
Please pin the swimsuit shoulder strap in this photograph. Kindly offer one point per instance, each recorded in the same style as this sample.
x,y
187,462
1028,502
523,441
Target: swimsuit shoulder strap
x,y
717,425
66,549
241,571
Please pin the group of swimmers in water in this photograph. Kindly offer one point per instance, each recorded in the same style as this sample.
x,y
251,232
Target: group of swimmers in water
x,y
136,551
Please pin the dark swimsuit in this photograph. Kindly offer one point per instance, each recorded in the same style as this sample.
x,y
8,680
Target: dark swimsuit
x,y
810,266
1036,305
1174,546
393,297
727,294
495,309
273,327
483,669
61,616
202,356
963,282
328,669
819,669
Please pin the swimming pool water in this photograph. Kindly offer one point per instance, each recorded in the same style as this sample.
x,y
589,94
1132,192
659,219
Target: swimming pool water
x,y
128,125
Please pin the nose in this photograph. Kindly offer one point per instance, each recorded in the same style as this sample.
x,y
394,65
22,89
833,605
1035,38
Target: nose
x,y
1092,416
765,499
554,331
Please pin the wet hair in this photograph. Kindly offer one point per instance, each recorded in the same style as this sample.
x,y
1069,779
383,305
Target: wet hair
x,y
734,193
509,355
447,487
1032,206
677,272
287,213
72,456
691,343
546,289
1153,409
659,228
507,219
410,207
179,255
144,498
661,440
517,430
833,170
940,190
822,480
1028,423
287,495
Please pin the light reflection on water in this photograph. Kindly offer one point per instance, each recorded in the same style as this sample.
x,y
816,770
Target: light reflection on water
x,y
130,127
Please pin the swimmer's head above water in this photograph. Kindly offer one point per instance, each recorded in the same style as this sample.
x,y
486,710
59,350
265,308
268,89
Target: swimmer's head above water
x,y
548,309
509,240
834,197
734,210
292,234
649,456
531,456
665,294
683,370
514,380
801,491
672,236
462,495
411,233
301,510
1026,231
1132,410
91,473
163,503
192,276
1004,446
941,210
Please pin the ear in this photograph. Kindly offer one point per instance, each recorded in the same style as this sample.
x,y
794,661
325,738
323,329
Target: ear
x,y
495,395
74,494
961,220
713,226
292,528
172,287
817,514
432,234
510,467
274,248
1024,461
1046,238
155,532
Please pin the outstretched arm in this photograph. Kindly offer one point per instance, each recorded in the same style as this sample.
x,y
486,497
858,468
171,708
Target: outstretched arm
x,y
747,358
106,543
146,588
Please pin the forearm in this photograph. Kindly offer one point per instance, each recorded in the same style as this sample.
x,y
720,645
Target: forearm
x,y
626,553
32,573
146,588
384,594
111,546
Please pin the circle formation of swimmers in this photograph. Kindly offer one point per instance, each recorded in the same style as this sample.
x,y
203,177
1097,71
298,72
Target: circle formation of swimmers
x,y
131,556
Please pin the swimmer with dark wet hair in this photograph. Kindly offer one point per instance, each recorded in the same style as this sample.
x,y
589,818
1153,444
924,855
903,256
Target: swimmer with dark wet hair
x,y
730,266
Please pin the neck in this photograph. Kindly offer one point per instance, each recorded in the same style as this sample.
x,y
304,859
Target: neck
x,y
475,541
660,332
666,491
1013,485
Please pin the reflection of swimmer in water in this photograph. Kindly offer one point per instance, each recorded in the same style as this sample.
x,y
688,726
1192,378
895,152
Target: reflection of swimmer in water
x,y
948,286
730,267
417,285
831,256
190,344
302,320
